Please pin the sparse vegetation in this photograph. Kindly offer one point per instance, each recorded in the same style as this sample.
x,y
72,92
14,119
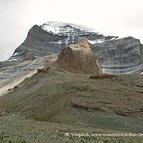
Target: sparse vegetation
x,y
72,102
5,139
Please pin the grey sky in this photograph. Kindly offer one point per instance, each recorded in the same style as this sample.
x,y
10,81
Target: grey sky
x,y
110,17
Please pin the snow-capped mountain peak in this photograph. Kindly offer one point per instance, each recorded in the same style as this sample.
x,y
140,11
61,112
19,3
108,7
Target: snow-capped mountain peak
x,y
116,54
63,28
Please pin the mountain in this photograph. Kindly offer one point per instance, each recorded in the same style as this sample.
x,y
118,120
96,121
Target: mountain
x,y
116,55
45,42
53,85
78,58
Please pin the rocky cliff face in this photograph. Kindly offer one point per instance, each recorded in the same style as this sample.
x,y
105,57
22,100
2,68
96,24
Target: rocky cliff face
x,y
116,55
78,58
120,55
50,38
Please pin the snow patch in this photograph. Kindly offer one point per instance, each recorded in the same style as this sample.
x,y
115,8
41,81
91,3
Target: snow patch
x,y
49,28
115,38
12,60
59,27
15,54
96,41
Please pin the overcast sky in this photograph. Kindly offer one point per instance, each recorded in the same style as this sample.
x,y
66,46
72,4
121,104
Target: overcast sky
x,y
110,17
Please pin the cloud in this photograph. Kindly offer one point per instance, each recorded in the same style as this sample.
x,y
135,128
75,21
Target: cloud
x,y
4,3
11,30
135,20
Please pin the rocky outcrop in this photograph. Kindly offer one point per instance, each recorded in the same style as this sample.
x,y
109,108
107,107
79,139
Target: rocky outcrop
x,y
116,55
78,58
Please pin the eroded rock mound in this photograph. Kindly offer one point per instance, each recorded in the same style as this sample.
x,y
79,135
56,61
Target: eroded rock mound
x,y
78,58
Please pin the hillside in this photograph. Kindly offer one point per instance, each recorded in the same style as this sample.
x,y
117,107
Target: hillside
x,y
53,96
57,82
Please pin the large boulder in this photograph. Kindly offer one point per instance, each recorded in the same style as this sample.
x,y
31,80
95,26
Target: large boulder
x,y
78,58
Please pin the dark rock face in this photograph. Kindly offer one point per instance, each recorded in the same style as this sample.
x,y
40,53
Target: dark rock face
x,y
116,55
120,55
78,58
40,42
